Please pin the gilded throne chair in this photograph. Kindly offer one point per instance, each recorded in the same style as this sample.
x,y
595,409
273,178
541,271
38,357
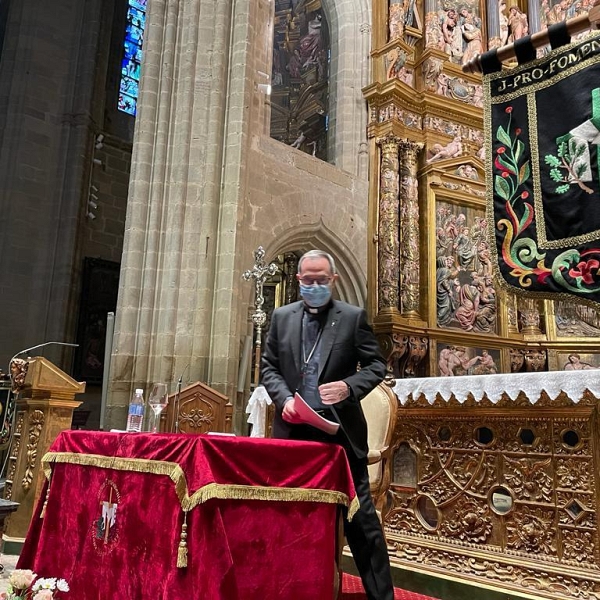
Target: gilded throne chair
x,y
380,408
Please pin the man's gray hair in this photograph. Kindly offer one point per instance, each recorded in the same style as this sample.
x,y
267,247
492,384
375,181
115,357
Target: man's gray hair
x,y
311,254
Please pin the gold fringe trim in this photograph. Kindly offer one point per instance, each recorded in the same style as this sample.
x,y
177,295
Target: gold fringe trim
x,y
135,465
208,492
250,492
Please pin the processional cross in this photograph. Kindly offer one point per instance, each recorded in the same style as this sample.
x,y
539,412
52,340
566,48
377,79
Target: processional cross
x,y
259,273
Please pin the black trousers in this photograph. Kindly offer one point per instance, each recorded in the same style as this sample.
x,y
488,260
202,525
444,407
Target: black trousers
x,y
364,533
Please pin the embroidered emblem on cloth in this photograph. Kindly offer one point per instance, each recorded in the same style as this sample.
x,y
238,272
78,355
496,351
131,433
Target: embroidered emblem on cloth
x,y
105,529
542,122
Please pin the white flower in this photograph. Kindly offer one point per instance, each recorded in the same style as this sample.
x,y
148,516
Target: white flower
x,y
45,584
62,585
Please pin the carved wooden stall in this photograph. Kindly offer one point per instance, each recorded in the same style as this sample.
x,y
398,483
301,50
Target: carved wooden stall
x,y
493,484
197,409
44,407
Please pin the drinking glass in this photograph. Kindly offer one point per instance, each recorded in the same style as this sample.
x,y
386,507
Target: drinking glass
x,y
157,401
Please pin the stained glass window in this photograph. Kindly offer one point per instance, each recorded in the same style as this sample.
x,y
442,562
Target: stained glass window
x,y
132,56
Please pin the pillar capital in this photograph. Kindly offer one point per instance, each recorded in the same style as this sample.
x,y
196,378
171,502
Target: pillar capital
x,y
411,148
389,142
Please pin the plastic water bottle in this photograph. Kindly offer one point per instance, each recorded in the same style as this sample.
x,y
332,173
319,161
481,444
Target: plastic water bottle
x,y
135,416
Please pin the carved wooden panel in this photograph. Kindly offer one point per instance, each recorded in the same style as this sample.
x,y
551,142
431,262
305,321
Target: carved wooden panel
x,y
197,409
508,494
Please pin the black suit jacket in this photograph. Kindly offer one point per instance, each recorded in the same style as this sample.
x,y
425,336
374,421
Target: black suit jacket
x,y
347,340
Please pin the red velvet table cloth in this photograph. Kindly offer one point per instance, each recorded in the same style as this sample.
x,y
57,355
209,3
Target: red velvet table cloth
x,y
249,518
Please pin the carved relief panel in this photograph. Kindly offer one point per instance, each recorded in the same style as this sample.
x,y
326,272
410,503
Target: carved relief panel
x,y
465,292
572,320
456,28
514,491
454,360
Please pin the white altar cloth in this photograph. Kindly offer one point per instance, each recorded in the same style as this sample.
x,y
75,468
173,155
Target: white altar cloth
x,y
573,383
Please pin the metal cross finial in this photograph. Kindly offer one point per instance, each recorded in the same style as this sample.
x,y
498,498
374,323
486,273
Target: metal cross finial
x,y
259,273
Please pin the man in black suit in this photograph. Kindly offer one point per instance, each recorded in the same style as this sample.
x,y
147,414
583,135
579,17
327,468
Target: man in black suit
x,y
314,347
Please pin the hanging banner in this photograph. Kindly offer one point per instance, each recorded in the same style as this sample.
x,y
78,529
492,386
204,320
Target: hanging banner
x,y
542,126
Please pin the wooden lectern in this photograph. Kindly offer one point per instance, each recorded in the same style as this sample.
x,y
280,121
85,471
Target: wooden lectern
x,y
44,407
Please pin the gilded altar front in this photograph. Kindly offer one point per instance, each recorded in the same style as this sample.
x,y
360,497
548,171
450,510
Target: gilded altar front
x,y
498,487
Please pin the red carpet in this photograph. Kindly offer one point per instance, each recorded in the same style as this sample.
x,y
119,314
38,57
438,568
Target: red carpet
x,y
353,590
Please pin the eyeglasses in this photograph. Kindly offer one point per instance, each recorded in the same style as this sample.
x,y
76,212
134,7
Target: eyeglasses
x,y
313,280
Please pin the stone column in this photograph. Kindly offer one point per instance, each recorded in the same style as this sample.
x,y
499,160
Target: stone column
x,y
534,17
396,19
388,265
493,18
179,293
409,230
47,72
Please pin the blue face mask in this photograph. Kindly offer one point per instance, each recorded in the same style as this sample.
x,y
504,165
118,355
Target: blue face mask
x,y
315,295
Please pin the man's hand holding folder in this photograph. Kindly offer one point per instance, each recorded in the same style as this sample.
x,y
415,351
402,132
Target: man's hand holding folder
x,y
297,412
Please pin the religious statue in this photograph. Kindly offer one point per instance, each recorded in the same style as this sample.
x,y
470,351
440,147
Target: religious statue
x,y
555,14
298,141
471,32
503,22
487,365
397,19
452,36
446,284
452,149
517,24
467,171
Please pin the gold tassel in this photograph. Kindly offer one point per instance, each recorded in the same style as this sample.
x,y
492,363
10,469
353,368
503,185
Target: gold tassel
x,y
182,550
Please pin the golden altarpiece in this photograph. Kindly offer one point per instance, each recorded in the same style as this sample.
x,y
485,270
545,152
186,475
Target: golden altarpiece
x,y
497,486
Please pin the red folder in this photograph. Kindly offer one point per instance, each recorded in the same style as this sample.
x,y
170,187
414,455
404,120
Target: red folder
x,y
307,415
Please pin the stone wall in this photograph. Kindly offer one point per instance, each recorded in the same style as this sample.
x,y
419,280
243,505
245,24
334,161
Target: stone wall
x,y
103,234
46,96
208,186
